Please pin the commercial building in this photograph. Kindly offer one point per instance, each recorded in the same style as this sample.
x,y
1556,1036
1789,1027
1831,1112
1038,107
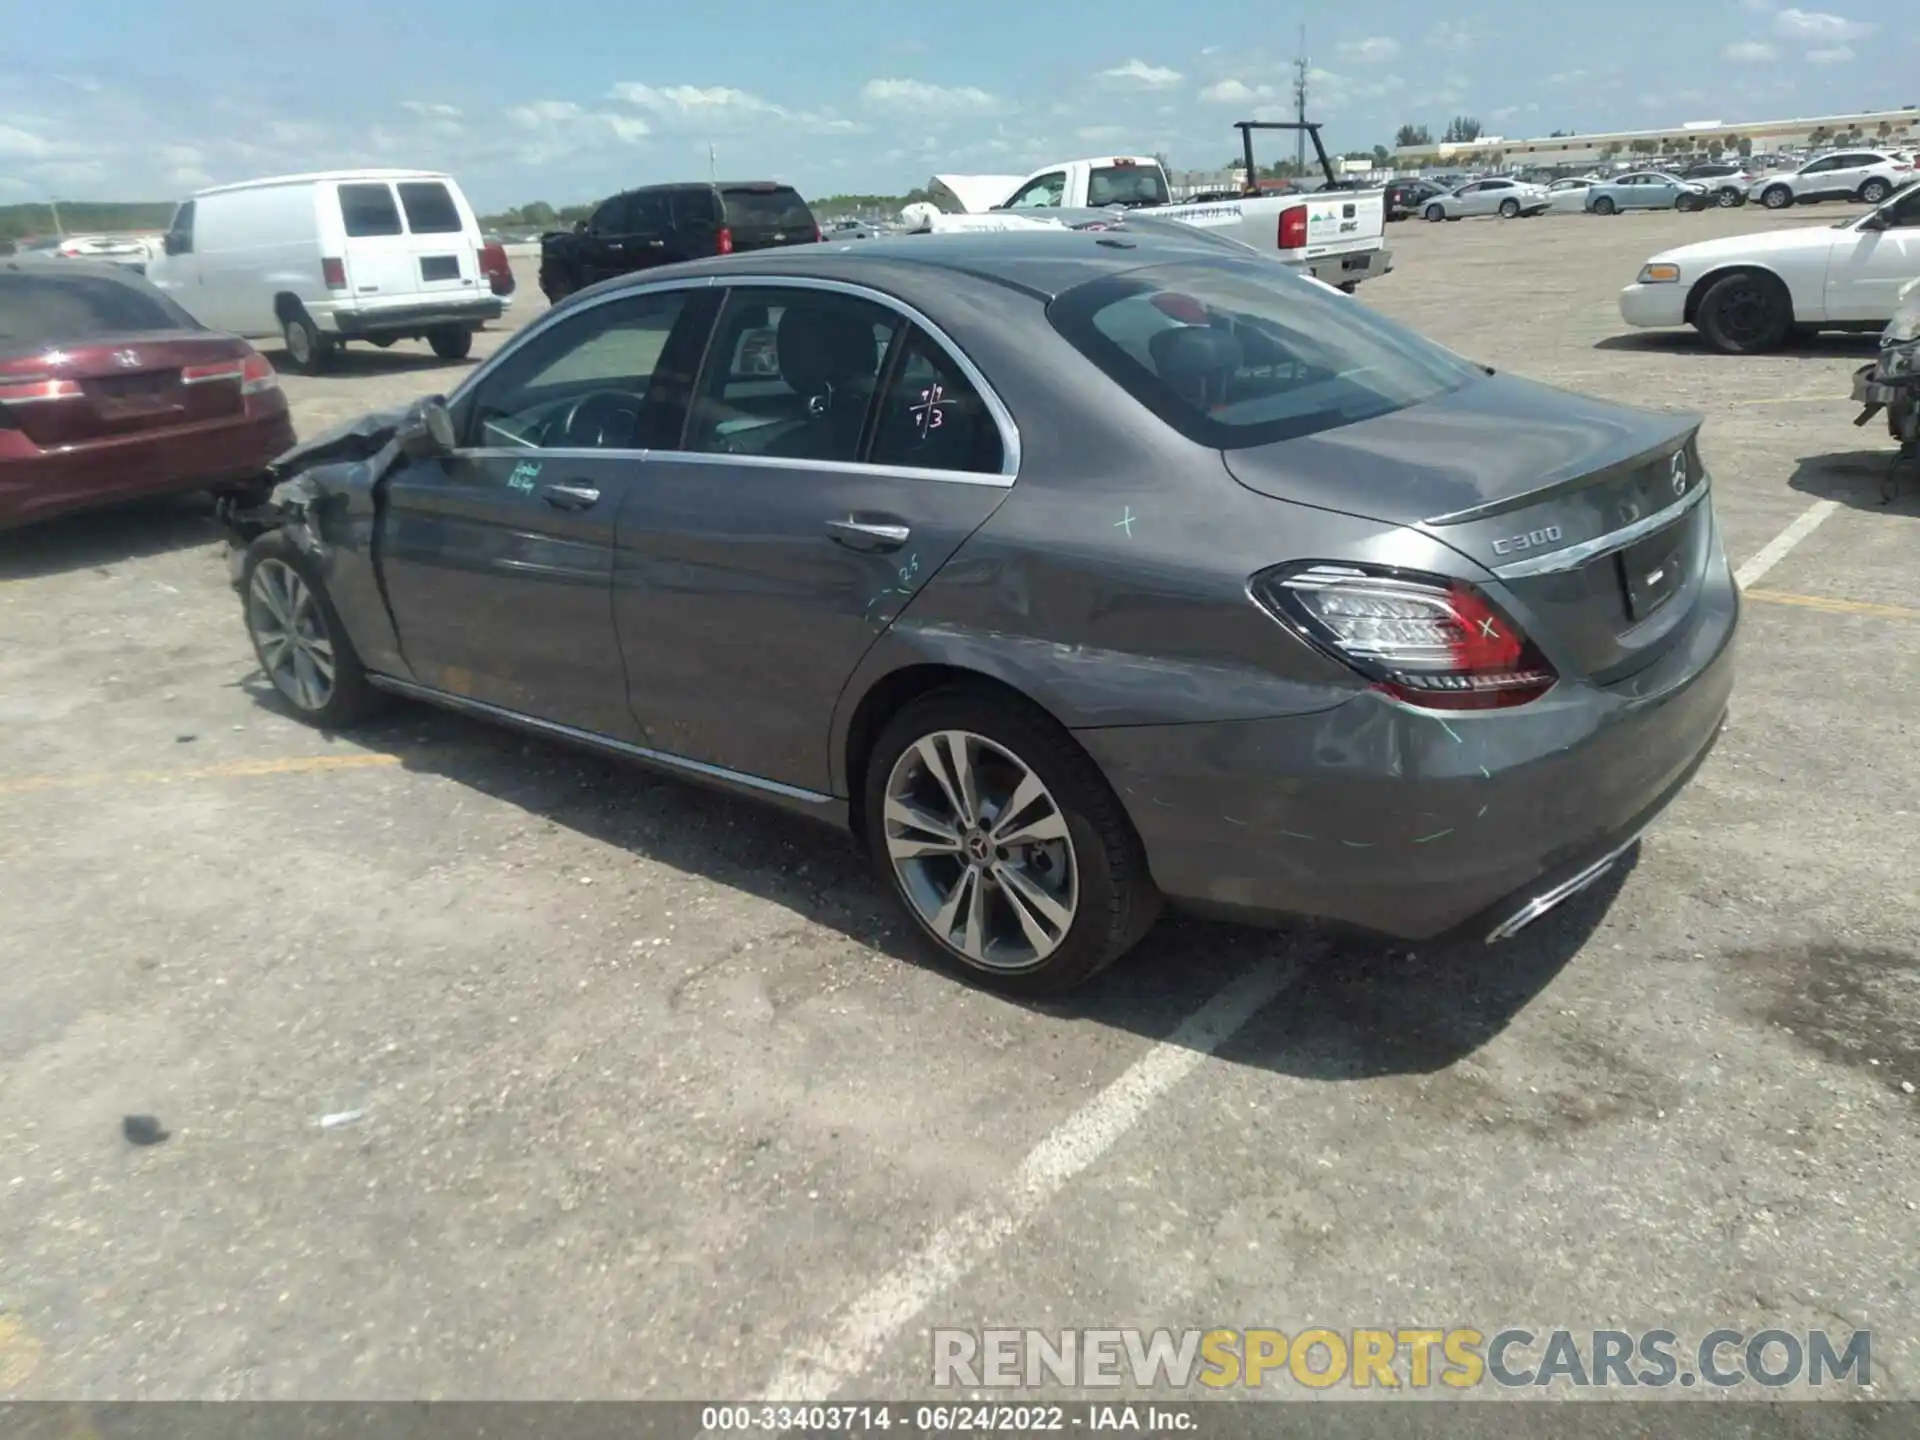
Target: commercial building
x,y
1867,127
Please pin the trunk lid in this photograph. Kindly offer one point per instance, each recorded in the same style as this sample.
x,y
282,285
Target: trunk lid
x,y
1579,507
115,386
406,239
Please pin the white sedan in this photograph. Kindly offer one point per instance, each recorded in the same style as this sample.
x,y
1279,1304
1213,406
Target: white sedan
x,y
1498,196
1747,293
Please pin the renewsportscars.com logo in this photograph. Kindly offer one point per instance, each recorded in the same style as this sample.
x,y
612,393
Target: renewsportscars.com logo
x,y
1459,1358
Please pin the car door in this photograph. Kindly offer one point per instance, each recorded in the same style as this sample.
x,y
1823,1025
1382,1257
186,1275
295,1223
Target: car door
x,y
1815,179
1867,267
837,453
602,251
498,559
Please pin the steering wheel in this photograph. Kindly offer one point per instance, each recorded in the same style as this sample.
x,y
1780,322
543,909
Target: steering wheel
x,y
587,421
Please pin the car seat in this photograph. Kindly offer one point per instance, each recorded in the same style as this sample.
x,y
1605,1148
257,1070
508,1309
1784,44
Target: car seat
x,y
1197,363
828,357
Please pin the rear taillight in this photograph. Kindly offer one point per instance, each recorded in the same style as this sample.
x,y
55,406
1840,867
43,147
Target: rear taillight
x,y
1426,640
334,272
31,391
1293,227
494,265
819,235
724,241
256,375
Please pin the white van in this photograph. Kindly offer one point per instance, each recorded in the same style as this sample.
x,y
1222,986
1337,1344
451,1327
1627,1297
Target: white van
x,y
376,255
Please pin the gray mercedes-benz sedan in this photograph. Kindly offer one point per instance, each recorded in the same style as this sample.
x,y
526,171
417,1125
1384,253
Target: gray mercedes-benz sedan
x,y
1069,571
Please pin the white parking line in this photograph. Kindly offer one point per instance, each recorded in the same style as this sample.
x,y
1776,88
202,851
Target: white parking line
x,y
816,1372
1775,550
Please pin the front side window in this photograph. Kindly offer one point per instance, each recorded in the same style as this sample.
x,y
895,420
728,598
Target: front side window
x,y
1903,213
791,374
1235,353
611,217
1043,193
179,239
368,210
430,208
588,382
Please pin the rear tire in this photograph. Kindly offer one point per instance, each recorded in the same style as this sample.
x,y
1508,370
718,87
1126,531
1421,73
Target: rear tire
x,y
1745,314
453,343
554,284
1776,197
1435,214
1728,198
309,351
1087,895
1605,206
1875,191
297,636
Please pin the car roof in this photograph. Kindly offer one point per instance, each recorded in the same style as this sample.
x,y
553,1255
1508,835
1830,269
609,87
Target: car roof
x,y
665,186
1042,263
324,177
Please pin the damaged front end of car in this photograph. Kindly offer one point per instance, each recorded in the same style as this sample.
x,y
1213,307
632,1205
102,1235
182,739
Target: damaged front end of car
x,y
322,491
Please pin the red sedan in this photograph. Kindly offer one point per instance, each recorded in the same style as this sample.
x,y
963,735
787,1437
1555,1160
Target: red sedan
x,y
109,390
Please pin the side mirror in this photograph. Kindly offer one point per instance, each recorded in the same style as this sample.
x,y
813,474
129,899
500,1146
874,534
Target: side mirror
x,y
1874,220
580,227
427,431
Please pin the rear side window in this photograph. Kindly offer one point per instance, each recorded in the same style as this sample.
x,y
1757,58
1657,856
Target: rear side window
x,y
694,208
430,208
1238,353
180,232
368,210
1127,185
767,207
38,310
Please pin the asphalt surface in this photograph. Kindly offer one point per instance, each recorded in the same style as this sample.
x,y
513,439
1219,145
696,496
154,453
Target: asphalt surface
x,y
649,1097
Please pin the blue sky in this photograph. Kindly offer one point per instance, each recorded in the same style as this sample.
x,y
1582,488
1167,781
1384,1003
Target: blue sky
x,y
563,102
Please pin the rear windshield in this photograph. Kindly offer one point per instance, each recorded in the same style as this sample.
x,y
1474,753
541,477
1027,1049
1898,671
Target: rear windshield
x,y
39,308
1234,353
369,210
777,208
430,209
1127,185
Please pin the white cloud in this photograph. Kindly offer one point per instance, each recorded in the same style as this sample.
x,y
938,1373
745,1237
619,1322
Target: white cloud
x,y
932,100
1749,52
694,102
541,114
1374,50
1099,134
21,142
1830,55
431,110
1236,92
1819,25
1156,77
1449,36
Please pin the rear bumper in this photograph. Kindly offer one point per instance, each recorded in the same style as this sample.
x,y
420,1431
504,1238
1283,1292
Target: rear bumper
x,y
42,484
1654,307
1350,269
411,319
1412,824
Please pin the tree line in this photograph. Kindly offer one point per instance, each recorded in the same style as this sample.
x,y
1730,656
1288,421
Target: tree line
x,y
34,221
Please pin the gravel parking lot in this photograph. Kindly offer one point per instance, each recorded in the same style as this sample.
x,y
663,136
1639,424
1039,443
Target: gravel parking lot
x,y
656,1101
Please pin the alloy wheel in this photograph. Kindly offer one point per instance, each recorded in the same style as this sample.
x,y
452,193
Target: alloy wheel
x,y
290,630
980,849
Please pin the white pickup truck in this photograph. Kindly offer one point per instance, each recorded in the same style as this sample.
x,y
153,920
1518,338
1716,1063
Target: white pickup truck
x,y
1334,235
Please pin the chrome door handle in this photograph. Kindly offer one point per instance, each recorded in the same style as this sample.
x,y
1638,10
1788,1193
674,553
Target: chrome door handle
x,y
570,497
867,534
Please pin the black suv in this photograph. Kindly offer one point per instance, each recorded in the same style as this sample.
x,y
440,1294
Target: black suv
x,y
659,224
1404,197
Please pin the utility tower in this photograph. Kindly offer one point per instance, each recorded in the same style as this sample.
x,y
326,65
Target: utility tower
x,y
1300,105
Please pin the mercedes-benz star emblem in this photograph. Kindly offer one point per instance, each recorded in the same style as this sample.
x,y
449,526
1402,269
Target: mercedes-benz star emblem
x,y
1678,469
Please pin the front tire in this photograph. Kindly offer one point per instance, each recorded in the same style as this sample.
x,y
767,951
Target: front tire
x,y
1875,191
1776,197
1687,204
302,647
1745,314
308,350
1005,843
453,343
1509,209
